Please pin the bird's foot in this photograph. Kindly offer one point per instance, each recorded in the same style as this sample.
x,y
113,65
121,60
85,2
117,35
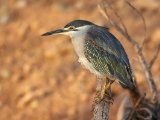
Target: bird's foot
x,y
106,90
106,98
104,95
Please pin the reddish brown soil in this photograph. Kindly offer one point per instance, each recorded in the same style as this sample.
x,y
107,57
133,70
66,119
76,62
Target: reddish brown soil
x,y
40,78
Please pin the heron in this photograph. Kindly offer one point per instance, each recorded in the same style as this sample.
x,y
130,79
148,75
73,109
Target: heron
x,y
100,52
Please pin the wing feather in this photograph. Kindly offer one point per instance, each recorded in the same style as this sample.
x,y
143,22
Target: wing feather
x,y
116,59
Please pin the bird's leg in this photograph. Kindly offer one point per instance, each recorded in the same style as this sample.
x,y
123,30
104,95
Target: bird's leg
x,y
106,86
104,91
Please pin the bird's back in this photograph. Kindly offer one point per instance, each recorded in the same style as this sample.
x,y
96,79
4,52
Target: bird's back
x,y
108,56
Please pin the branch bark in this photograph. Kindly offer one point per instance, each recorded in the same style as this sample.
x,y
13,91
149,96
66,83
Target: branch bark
x,y
101,108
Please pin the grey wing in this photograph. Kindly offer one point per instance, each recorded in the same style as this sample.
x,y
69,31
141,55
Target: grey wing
x,y
118,56
109,43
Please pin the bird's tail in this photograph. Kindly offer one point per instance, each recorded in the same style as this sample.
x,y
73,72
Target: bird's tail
x,y
134,95
134,91
131,87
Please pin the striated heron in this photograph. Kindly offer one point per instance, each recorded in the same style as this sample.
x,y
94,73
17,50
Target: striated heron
x,y
100,52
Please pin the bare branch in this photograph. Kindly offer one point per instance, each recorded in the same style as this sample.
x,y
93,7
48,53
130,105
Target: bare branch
x,y
135,107
101,108
143,20
104,12
120,19
143,110
137,47
154,57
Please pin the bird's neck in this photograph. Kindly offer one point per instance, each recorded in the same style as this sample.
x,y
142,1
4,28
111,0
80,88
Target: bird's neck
x,y
78,44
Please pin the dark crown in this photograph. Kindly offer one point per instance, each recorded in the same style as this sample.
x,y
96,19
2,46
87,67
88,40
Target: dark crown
x,y
78,23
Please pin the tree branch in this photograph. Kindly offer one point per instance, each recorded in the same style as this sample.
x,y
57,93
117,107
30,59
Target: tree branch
x,y
103,9
154,57
143,20
135,107
101,108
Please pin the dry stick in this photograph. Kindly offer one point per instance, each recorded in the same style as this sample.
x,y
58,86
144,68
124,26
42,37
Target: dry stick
x,y
101,108
135,107
137,47
154,57
143,20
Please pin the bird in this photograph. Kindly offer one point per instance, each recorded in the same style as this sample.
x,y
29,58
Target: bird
x,y
100,52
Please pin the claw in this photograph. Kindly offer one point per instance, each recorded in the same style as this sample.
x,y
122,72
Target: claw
x,y
104,89
102,95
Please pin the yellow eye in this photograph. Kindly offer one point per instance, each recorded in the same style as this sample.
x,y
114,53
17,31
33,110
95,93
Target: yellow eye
x,y
71,27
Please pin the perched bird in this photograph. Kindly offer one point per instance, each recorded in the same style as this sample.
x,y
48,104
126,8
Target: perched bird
x,y
100,52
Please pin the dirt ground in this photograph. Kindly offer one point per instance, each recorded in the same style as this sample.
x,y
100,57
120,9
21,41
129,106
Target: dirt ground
x,y
40,78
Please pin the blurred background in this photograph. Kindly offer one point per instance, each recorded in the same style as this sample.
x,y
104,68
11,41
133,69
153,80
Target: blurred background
x,y
40,77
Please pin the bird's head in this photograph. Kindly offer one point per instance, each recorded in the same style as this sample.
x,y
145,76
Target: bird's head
x,y
73,28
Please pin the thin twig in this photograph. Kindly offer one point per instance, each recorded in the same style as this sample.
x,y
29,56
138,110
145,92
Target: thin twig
x,y
143,20
154,57
135,107
104,12
120,19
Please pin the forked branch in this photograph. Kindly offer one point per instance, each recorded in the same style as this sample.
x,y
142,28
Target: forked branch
x,y
103,8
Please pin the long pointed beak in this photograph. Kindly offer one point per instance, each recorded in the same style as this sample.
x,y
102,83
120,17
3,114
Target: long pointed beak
x,y
54,32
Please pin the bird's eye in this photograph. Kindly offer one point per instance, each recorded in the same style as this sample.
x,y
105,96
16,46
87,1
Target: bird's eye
x,y
71,27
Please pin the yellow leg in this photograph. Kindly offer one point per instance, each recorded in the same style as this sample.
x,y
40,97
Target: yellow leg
x,y
105,87
103,92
